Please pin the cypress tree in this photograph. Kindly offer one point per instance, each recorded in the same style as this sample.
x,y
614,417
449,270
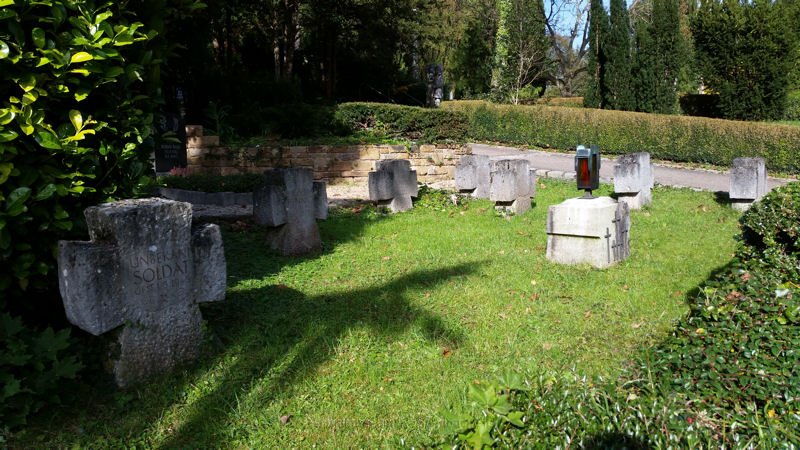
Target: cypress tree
x,y
746,53
595,66
658,57
619,94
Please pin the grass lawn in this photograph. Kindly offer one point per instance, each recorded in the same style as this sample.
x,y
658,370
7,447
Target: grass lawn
x,y
364,344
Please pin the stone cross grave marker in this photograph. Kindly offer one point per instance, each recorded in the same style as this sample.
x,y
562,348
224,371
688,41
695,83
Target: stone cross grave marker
x,y
393,183
511,185
472,175
143,272
290,202
634,179
748,182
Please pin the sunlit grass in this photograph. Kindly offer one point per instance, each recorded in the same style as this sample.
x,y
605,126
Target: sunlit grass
x,y
364,344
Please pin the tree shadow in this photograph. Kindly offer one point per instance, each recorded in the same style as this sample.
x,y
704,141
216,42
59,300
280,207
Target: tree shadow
x,y
279,337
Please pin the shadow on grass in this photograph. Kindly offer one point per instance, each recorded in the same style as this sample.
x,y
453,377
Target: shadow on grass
x,y
278,337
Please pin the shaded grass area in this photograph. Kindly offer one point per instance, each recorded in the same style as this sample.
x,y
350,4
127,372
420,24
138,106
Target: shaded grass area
x,y
366,343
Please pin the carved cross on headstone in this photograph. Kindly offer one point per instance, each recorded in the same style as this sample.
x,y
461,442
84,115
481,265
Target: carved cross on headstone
x,y
393,183
144,271
289,202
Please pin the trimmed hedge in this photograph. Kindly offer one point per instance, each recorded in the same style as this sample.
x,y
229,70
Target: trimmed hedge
x,y
419,124
675,138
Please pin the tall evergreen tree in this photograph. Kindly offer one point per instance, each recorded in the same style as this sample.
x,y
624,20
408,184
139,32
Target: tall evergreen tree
x,y
745,52
595,66
473,59
658,57
619,94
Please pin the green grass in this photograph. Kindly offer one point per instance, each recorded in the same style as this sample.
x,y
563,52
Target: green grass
x,y
364,344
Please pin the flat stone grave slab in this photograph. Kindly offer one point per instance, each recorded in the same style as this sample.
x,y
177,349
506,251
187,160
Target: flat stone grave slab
x,y
142,274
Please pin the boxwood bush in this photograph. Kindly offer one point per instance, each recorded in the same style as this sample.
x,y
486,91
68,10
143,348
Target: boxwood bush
x,y
725,377
675,138
410,122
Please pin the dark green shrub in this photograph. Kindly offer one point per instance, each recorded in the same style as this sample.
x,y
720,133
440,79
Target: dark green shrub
x,y
214,183
771,231
704,105
75,111
33,366
675,138
418,124
792,111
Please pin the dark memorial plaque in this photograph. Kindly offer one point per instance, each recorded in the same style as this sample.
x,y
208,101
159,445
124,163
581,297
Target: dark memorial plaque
x,y
171,135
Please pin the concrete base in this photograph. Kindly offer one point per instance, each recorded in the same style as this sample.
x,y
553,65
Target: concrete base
x,y
518,206
636,200
741,205
592,231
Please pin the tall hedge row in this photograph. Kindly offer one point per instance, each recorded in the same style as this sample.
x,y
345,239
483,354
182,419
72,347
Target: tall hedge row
x,y
675,138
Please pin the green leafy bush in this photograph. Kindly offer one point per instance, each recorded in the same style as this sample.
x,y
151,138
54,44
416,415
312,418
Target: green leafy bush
x,y
771,231
74,112
214,183
675,138
30,363
792,111
419,124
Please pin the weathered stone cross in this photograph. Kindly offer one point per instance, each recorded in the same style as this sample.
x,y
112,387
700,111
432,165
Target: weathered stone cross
x,y
143,273
290,201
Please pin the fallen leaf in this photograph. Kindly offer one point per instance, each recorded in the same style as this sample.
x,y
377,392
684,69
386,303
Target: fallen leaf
x,y
625,287
386,258
533,282
446,352
636,326
427,295
587,314
503,316
285,419
547,346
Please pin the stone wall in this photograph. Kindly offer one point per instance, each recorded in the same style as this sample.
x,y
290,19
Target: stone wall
x,y
330,163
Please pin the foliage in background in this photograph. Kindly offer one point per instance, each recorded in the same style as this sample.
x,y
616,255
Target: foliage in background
x,y
596,61
213,183
522,61
746,53
792,111
674,138
725,377
419,124
617,84
659,56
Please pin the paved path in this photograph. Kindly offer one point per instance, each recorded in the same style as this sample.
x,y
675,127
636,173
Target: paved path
x,y
706,180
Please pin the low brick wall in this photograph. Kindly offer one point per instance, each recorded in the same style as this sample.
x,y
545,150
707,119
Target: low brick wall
x,y
329,163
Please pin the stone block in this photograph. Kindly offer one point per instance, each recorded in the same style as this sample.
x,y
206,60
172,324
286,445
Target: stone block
x,y
634,179
289,202
472,175
393,183
509,179
593,231
748,181
144,271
